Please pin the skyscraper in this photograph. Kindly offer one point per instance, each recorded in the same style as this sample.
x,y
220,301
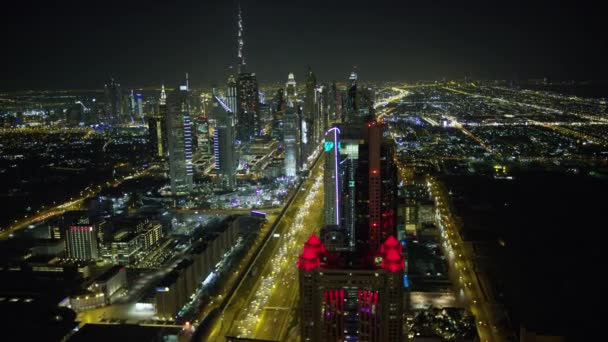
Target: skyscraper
x,y
350,107
180,141
331,178
240,42
132,106
352,290
290,87
376,187
204,146
81,240
247,93
157,127
232,95
223,145
351,296
249,125
290,140
139,114
309,123
113,101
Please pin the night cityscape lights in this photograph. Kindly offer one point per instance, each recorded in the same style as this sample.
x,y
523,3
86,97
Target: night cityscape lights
x,y
358,172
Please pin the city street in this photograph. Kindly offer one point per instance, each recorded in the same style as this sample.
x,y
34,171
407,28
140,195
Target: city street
x,y
263,306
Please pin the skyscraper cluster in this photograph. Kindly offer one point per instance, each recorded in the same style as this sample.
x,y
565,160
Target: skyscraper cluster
x,y
351,278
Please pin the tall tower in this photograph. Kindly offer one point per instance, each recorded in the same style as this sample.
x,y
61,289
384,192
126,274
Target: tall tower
x,y
223,145
81,240
331,178
248,107
140,107
232,95
351,97
241,57
132,106
113,98
247,93
290,140
290,87
180,141
157,127
309,124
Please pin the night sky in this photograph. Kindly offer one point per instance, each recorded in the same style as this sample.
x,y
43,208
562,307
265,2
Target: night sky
x,y
80,44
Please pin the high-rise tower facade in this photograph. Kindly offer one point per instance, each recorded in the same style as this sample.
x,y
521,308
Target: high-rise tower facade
x,y
290,140
113,101
81,240
223,145
157,127
351,280
232,95
331,179
291,88
309,124
248,97
179,129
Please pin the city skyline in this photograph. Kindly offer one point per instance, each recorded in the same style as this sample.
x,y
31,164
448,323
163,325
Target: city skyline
x,y
279,179
140,43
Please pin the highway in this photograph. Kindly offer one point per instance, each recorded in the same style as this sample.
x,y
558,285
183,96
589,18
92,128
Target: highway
x,y
71,204
461,262
263,306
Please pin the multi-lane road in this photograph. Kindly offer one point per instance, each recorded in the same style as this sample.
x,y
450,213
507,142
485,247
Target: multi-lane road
x,y
263,306
71,204
461,262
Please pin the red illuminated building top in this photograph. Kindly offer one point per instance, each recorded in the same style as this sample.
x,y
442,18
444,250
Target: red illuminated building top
x,y
314,251
392,260
311,256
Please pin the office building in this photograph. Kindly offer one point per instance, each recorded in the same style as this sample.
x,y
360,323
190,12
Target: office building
x,y
351,296
309,124
291,91
203,141
139,113
180,141
290,140
81,240
113,102
223,145
232,96
157,127
331,179
248,97
247,92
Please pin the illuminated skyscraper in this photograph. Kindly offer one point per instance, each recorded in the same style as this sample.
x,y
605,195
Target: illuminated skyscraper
x,y
308,122
240,42
247,92
81,240
351,296
157,127
140,107
113,101
352,290
223,145
132,106
350,107
290,140
232,95
332,183
248,97
290,87
180,141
